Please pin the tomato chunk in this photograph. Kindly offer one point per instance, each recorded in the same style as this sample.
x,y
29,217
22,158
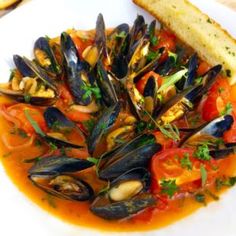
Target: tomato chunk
x,y
140,85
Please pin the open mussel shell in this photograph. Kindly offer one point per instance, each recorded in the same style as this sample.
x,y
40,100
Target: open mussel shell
x,y
107,119
76,70
136,153
108,92
60,143
57,121
137,32
175,108
24,98
22,67
119,210
191,75
127,195
208,80
209,131
53,116
115,40
64,186
45,57
218,154
129,184
52,166
41,74
50,174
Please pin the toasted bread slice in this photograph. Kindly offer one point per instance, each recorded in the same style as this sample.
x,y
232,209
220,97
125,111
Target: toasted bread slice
x,y
204,35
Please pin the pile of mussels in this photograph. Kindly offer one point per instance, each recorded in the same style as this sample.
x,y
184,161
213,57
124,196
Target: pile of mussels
x,y
113,64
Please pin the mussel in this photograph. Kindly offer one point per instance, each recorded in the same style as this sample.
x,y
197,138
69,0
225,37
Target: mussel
x,y
35,87
208,132
45,57
135,153
126,196
51,175
77,71
108,92
103,124
184,101
59,124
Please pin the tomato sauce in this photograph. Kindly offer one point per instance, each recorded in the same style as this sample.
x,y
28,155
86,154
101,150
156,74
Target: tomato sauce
x,y
17,151
78,212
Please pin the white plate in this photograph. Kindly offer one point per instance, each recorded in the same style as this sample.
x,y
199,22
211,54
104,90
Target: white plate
x,y
19,29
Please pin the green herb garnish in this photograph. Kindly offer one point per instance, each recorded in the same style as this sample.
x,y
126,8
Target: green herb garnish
x,y
33,123
228,109
172,79
122,34
202,152
169,187
203,175
22,133
93,160
185,162
91,90
27,98
199,197
227,182
152,55
89,124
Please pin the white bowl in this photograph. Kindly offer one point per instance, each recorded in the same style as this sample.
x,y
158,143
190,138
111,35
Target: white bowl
x,y
19,29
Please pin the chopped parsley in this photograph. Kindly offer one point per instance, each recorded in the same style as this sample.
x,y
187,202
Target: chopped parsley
x,y
220,90
91,90
199,197
122,34
154,40
202,152
53,147
27,98
169,187
209,21
203,175
195,119
185,162
89,124
228,109
32,160
225,182
94,160
152,55
38,143
33,123
22,133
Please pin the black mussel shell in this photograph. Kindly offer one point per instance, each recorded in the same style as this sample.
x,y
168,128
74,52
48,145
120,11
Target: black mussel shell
x,y
210,130
64,186
107,119
136,153
119,210
75,70
54,117
57,165
42,45
108,92
22,67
